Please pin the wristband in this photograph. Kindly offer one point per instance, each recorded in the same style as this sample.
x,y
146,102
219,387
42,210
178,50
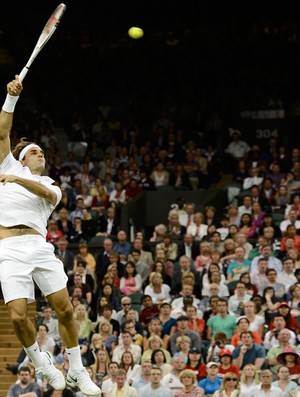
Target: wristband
x,y
10,103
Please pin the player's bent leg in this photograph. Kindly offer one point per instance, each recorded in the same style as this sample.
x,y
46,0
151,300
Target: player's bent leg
x,y
63,308
26,333
23,327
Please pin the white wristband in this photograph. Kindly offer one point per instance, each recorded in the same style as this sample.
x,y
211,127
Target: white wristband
x,y
10,103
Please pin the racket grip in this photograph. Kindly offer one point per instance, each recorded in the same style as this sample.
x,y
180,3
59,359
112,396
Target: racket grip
x,y
23,74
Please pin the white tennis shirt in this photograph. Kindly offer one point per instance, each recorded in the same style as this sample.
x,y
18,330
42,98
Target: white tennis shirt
x,y
20,207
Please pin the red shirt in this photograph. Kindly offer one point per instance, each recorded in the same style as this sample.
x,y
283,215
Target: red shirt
x,y
232,368
200,371
146,315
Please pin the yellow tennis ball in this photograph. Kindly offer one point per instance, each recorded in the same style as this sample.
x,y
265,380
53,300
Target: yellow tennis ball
x,y
135,33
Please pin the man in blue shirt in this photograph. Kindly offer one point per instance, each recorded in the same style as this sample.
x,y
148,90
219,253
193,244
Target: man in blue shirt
x,y
248,352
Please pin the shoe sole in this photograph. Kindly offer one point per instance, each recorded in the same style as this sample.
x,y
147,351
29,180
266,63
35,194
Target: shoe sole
x,y
73,384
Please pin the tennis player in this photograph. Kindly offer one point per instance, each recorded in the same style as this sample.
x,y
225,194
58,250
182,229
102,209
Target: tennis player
x,y
27,200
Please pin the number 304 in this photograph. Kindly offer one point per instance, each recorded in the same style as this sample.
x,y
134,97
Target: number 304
x,y
267,133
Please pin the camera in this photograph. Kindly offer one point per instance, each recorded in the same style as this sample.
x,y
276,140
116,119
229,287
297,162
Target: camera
x,y
218,343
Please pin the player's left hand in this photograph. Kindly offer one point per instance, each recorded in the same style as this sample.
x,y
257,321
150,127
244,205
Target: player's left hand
x,y
7,178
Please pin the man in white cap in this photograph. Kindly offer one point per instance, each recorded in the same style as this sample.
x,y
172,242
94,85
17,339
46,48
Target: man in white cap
x,y
237,149
27,200
212,382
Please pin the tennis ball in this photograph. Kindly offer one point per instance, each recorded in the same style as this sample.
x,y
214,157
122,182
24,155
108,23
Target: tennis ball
x,y
135,33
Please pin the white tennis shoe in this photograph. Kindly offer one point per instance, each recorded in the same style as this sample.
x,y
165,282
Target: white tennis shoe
x,y
82,380
53,375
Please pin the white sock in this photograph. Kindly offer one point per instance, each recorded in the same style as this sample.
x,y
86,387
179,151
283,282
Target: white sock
x,y
33,352
74,358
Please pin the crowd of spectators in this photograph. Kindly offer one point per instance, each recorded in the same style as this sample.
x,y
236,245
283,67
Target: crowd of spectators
x,y
212,292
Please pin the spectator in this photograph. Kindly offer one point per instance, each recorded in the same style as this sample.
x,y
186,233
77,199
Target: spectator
x,y
64,224
158,291
127,345
102,261
257,322
100,367
109,224
237,301
126,306
160,175
144,378
230,386
197,228
121,387
88,258
26,386
130,282
221,322
87,275
283,380
132,370
286,276
186,292
212,382
169,246
146,256
83,322
249,379
248,352
53,233
266,386
243,324
239,265
218,342
251,288
155,386
76,281
284,310
226,365
182,329
159,267
183,344
185,265
291,220
134,328
273,262
172,380
188,380
174,228
279,288
260,278
51,323
66,256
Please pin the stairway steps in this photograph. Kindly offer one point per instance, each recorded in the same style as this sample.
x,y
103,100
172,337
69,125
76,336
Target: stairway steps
x,y
10,344
10,347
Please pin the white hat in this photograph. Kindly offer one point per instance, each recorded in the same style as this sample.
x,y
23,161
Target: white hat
x,y
211,364
234,131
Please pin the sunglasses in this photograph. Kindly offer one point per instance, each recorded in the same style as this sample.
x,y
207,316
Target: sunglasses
x,y
228,379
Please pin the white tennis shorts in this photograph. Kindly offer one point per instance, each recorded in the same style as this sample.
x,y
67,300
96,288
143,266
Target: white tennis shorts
x,y
25,260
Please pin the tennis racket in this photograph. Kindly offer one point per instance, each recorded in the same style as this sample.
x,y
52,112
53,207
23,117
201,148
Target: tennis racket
x,y
47,32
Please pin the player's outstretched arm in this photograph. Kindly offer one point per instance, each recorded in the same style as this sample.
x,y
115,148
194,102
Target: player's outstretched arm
x,y
14,89
32,186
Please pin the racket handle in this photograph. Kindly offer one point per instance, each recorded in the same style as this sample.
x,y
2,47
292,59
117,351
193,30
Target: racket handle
x,y
23,74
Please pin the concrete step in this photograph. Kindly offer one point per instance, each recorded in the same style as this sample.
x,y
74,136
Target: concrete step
x,y
6,330
10,347
10,344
